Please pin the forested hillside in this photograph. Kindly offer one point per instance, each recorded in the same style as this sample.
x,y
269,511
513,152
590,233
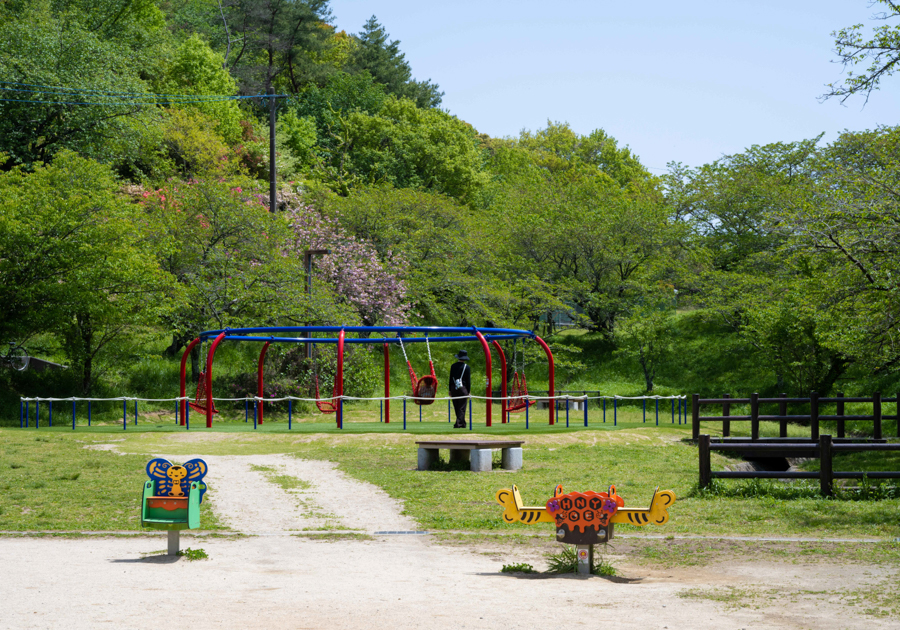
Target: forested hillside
x,y
134,212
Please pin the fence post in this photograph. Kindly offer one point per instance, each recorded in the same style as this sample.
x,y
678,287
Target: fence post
x,y
695,416
754,417
814,414
876,411
782,411
840,411
826,474
705,473
726,411
657,412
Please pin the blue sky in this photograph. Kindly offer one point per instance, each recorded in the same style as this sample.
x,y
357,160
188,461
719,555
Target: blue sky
x,y
675,81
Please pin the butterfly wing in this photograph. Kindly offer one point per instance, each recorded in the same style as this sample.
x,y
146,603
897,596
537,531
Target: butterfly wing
x,y
156,470
196,470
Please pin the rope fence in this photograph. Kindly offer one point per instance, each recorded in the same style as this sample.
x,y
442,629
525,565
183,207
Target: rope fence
x,y
563,402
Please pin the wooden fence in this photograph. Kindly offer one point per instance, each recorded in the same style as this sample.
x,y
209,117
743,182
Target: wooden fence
x,y
814,417
824,449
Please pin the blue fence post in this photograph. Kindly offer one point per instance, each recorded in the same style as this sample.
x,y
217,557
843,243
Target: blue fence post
x,y
290,412
657,412
381,410
73,414
135,411
644,401
246,410
585,403
470,414
37,414
341,409
187,417
526,411
615,412
124,413
420,413
448,410
177,405
255,405
404,413
51,413
567,412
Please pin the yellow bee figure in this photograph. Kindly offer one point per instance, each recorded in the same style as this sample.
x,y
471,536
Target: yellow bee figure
x,y
174,480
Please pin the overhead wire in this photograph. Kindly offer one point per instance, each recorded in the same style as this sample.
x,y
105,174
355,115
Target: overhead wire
x,y
116,98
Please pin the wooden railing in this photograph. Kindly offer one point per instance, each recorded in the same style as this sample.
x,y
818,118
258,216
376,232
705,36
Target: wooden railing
x,y
814,417
824,449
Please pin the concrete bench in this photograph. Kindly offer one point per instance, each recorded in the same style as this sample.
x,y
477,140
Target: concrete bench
x,y
477,452
575,404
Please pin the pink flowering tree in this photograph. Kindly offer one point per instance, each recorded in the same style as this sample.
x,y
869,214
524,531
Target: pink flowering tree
x,y
375,289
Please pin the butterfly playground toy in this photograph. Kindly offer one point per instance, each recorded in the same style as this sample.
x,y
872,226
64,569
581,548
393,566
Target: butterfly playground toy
x,y
172,497
584,519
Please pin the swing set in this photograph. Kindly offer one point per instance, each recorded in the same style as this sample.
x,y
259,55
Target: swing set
x,y
424,388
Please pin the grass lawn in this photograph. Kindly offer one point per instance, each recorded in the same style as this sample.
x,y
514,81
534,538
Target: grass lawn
x,y
57,479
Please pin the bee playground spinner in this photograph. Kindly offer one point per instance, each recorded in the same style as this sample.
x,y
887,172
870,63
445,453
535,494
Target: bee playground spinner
x,y
171,498
584,518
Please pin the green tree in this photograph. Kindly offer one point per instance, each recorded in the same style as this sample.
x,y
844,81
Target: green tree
x,y
73,261
275,42
407,147
880,49
451,278
377,55
76,53
195,70
226,253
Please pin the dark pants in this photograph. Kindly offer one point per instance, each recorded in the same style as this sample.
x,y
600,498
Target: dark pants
x,y
459,406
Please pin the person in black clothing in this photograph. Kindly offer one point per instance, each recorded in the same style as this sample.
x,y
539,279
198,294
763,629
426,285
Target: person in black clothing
x,y
460,386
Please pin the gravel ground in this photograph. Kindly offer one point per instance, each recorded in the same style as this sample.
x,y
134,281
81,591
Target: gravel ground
x,y
283,575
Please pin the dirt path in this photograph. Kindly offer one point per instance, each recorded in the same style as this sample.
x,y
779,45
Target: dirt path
x,y
277,579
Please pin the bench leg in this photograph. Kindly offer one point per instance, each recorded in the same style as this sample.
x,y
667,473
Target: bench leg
x,y
174,542
427,456
480,460
511,458
459,455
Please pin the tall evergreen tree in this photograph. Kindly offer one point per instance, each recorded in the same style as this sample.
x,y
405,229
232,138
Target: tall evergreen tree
x,y
381,57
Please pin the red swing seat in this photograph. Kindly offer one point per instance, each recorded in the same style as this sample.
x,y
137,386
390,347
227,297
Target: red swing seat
x,y
423,389
199,402
326,406
518,394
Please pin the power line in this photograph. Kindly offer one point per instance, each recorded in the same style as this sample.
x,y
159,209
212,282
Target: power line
x,y
116,98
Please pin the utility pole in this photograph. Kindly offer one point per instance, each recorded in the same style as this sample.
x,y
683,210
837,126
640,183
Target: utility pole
x,y
307,264
271,92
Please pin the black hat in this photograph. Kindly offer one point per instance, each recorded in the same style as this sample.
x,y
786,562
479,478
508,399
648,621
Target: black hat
x,y
462,355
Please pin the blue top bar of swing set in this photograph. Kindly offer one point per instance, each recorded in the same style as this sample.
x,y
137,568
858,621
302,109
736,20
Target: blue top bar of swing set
x,y
234,332
367,340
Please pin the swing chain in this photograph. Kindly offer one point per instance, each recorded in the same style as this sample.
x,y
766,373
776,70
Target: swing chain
x,y
428,345
400,338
